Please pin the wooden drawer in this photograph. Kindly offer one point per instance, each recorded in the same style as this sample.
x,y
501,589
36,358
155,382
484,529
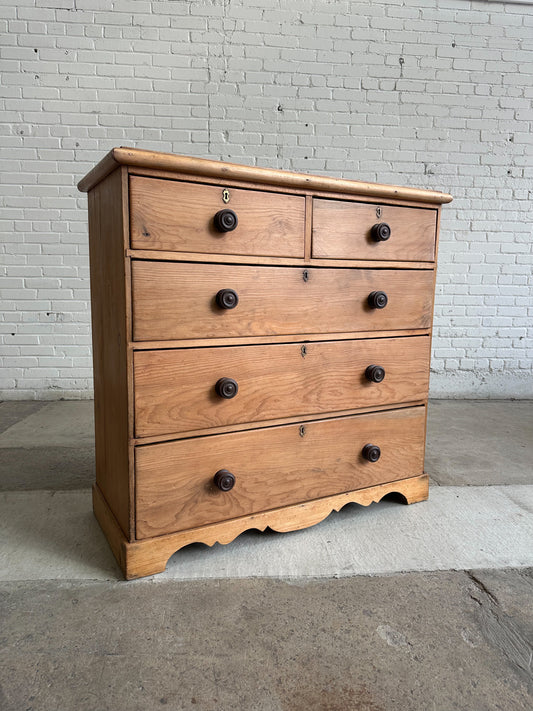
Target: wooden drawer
x,y
175,481
178,216
174,300
175,390
343,230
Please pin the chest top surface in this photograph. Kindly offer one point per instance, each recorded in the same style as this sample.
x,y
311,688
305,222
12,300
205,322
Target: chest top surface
x,y
153,160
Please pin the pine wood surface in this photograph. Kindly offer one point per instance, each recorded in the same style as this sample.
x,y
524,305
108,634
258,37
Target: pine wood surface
x,y
109,310
303,264
223,182
308,227
273,467
260,340
155,255
174,216
342,230
175,389
191,177
228,171
177,300
148,557
301,419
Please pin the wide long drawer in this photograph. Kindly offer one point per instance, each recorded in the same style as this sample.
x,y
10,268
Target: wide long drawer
x,y
176,482
182,389
179,216
176,300
344,229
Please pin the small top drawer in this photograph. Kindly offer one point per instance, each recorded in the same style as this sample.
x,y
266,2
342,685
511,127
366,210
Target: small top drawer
x,y
177,216
354,230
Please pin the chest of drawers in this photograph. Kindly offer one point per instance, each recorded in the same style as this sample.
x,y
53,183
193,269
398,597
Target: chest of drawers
x,y
261,345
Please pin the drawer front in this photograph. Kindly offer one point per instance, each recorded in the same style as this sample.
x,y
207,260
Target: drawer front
x,y
175,216
343,230
176,390
173,300
273,467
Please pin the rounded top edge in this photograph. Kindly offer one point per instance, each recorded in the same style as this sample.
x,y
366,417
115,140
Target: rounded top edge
x,y
154,160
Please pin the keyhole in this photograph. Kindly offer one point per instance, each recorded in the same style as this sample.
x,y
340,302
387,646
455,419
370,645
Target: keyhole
x,y
304,351
305,275
378,212
302,431
225,195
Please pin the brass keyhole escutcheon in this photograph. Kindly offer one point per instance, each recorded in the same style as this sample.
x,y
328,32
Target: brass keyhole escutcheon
x,y
379,212
302,431
225,196
305,275
304,351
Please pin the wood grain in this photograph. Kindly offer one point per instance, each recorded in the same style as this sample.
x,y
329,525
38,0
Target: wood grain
x,y
260,340
109,311
148,557
151,254
175,389
111,528
308,226
272,187
174,481
437,234
228,171
178,216
342,230
303,265
300,419
177,301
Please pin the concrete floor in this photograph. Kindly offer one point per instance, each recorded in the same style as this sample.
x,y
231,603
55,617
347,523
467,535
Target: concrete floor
x,y
321,619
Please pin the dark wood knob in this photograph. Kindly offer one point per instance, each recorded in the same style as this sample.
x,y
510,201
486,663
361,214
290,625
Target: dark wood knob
x,y
226,388
375,373
225,221
371,452
227,299
224,480
377,300
380,232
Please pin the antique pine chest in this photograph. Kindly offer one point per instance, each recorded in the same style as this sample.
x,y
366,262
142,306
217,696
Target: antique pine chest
x,y
261,345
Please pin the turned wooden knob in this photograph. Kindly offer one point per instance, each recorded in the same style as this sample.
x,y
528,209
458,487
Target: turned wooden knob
x,y
371,452
377,300
226,388
227,298
224,480
225,221
375,373
380,232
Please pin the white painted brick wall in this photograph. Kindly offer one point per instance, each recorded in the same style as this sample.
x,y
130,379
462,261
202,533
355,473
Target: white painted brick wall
x,y
434,94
